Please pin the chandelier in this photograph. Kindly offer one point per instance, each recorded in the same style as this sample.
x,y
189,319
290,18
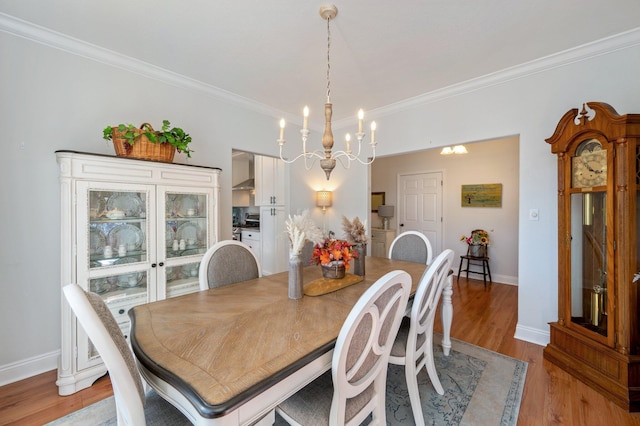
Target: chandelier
x,y
326,156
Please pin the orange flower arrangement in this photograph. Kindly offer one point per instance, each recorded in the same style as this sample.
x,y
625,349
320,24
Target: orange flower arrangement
x,y
333,250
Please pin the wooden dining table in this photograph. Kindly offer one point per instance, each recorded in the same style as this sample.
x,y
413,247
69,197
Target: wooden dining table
x,y
229,355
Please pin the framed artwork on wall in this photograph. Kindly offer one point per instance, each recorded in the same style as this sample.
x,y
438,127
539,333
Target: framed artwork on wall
x,y
377,198
481,195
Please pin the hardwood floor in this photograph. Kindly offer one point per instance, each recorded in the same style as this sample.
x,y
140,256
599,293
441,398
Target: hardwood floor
x,y
482,317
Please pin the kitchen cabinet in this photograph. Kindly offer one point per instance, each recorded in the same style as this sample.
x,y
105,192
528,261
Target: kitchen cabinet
x,y
596,337
269,181
275,241
134,232
253,239
381,240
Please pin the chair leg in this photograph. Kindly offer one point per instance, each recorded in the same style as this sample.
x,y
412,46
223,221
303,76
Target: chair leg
x,y
489,271
484,273
460,268
411,376
431,366
467,269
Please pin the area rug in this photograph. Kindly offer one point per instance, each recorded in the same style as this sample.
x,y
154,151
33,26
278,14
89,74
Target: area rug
x,y
481,387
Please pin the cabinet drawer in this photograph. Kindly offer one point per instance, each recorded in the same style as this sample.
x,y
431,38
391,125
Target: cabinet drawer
x,y
120,309
250,236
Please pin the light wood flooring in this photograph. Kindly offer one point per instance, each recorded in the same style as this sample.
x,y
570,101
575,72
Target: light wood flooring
x,y
482,317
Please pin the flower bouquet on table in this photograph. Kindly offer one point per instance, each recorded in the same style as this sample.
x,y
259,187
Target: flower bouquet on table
x,y
334,257
355,233
300,229
354,230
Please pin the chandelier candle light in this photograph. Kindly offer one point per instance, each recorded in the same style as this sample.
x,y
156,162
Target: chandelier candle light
x,y
327,157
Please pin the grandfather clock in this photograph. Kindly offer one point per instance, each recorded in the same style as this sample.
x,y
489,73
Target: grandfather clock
x,y
596,337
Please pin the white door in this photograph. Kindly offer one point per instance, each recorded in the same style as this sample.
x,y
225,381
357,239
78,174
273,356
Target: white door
x,y
420,206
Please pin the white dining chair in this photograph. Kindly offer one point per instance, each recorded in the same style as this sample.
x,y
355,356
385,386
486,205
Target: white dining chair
x,y
133,405
356,385
228,262
413,346
412,246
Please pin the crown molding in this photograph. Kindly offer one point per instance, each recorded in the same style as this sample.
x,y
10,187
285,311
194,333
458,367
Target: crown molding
x,y
584,52
45,36
57,40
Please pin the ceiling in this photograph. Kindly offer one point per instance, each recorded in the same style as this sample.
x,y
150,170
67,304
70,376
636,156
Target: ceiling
x,y
382,53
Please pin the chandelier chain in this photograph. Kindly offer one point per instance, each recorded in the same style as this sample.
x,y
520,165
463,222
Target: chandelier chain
x,y
327,156
328,60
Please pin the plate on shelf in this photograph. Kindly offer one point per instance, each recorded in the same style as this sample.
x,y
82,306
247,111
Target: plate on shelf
x,y
97,241
130,280
188,231
185,205
99,285
170,235
128,202
190,270
96,203
170,273
129,235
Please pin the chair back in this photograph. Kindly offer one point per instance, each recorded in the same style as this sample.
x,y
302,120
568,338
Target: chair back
x,y
228,262
425,304
412,246
103,330
361,354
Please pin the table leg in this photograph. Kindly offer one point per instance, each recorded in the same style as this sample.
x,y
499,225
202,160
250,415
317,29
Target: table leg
x,y
447,315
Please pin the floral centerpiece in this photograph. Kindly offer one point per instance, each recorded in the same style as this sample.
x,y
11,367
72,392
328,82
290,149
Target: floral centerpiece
x,y
300,229
355,234
334,257
478,237
354,231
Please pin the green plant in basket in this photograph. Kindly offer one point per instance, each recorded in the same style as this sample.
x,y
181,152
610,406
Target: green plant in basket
x,y
174,136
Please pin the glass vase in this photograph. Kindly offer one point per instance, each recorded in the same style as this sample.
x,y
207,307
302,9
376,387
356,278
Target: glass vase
x,y
358,264
296,289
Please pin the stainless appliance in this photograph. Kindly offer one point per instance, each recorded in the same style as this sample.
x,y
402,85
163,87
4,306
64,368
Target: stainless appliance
x,y
252,220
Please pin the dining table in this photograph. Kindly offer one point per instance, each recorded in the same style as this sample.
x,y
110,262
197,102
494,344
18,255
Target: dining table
x,y
229,355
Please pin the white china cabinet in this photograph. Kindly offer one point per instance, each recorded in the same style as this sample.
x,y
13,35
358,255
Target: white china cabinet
x,y
134,232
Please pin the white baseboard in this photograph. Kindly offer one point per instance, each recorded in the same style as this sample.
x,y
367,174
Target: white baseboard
x,y
496,278
533,335
29,367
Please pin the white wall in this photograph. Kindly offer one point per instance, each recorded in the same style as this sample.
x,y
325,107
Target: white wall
x,y
51,99
494,161
528,105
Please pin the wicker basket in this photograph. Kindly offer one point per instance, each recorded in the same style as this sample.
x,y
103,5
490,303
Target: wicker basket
x,y
142,148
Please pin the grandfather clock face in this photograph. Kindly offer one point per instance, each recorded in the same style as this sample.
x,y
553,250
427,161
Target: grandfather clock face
x,y
589,166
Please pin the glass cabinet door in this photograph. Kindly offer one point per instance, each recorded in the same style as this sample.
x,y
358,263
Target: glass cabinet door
x,y
113,252
589,283
187,234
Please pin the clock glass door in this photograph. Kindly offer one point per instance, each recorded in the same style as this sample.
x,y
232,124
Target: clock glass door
x,y
589,261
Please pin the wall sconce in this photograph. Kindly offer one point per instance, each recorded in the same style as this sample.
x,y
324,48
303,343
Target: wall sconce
x,y
458,149
324,199
385,212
